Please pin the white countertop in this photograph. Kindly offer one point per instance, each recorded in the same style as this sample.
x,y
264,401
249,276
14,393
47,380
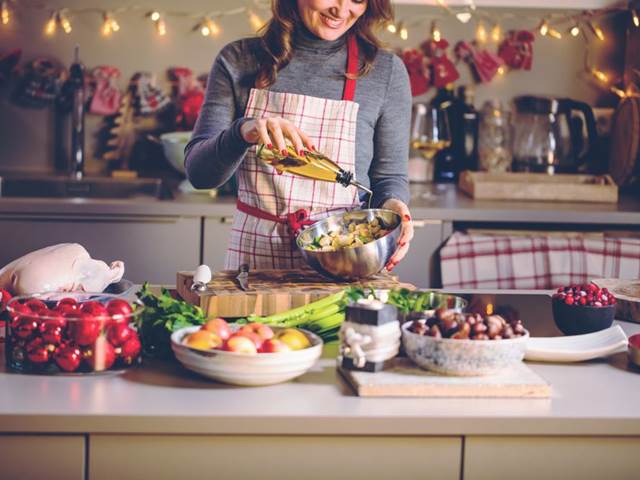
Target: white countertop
x,y
600,397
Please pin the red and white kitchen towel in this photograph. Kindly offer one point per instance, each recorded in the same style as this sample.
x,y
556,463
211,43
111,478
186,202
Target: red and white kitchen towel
x,y
536,262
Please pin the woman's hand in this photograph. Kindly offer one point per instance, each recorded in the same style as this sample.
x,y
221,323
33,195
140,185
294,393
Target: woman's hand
x,y
273,131
406,234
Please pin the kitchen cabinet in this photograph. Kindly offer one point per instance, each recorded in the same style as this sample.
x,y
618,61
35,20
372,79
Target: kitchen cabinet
x,y
215,238
420,266
534,458
274,457
33,457
153,248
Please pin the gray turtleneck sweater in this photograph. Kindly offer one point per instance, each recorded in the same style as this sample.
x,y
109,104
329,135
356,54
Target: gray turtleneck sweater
x,y
317,69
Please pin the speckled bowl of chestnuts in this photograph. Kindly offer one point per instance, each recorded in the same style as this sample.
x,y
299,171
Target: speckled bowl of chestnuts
x,y
465,344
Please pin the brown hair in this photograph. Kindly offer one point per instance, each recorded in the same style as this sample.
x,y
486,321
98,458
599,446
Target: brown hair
x,y
277,35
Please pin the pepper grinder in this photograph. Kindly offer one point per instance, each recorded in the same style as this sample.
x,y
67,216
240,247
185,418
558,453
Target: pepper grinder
x,y
369,336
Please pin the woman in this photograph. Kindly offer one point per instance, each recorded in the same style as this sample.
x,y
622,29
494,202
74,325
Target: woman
x,y
318,79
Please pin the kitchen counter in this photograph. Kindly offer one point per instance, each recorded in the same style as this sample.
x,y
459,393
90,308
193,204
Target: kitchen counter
x,y
435,202
595,398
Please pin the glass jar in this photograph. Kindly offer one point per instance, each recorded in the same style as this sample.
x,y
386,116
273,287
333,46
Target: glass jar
x,y
494,148
71,333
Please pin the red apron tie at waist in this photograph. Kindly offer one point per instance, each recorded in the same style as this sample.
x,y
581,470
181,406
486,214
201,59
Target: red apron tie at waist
x,y
295,221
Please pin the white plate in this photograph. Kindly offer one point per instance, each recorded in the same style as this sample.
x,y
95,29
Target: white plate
x,y
576,348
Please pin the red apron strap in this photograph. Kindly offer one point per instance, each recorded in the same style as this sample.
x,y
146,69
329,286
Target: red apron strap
x,y
352,68
295,221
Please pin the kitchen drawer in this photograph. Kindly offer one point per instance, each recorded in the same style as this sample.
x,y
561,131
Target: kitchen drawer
x,y
153,248
274,457
524,458
36,457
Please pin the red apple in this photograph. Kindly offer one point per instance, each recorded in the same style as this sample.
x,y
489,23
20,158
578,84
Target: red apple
x,y
96,309
240,344
66,303
86,329
260,329
119,309
37,351
36,305
273,345
130,350
68,357
219,327
51,332
254,337
24,326
118,333
17,309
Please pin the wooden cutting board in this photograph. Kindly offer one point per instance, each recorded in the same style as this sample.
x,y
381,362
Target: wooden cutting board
x,y
272,291
404,379
539,186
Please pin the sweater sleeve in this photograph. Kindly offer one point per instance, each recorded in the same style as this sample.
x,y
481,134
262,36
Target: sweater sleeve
x,y
217,148
389,168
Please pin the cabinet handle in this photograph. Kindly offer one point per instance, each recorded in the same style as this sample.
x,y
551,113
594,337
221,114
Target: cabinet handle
x,y
226,220
424,223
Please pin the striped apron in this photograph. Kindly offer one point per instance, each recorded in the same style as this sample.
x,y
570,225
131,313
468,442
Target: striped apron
x,y
273,207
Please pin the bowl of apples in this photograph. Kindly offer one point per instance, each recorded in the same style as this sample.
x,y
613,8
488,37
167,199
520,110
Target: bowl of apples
x,y
247,355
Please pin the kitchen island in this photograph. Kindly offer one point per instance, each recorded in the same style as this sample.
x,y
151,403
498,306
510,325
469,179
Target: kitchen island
x,y
162,421
140,231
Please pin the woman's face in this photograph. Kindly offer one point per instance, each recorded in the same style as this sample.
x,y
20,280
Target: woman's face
x,y
330,19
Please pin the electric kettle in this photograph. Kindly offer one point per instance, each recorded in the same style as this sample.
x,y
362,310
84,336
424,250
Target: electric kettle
x,y
552,135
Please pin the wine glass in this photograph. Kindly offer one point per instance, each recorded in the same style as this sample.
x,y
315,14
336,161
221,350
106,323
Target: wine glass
x,y
429,130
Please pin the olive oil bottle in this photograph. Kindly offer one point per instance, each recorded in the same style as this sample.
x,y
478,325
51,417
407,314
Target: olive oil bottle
x,y
312,165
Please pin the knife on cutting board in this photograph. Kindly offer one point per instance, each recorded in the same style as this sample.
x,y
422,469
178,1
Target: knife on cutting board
x,y
243,277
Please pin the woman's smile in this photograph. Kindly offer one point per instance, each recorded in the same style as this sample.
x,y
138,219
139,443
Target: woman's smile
x,y
330,19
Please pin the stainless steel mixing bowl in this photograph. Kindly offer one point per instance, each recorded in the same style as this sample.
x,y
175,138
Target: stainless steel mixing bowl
x,y
351,263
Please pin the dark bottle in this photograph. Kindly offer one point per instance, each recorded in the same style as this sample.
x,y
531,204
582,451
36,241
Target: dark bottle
x,y
466,138
445,167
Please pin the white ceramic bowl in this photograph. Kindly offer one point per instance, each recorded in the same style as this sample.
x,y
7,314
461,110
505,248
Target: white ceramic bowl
x,y
242,369
173,144
463,357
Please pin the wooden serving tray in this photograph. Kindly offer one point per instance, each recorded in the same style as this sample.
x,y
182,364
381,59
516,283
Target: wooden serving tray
x,y
539,186
272,291
627,294
404,379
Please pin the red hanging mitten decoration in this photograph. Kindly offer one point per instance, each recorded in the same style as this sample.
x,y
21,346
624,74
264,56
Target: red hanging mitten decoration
x,y
106,96
148,99
418,69
443,71
517,49
189,95
484,63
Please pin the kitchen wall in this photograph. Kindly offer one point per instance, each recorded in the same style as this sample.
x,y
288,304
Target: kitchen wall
x,y
27,136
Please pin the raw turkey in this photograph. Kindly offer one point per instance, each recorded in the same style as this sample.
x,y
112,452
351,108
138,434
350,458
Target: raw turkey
x,y
65,267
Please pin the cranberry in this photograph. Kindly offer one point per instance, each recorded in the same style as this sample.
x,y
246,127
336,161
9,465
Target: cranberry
x,y
51,332
119,309
119,333
94,308
85,331
37,351
24,327
131,349
569,300
36,305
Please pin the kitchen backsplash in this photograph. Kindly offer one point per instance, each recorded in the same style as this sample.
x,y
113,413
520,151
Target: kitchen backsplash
x,y
28,136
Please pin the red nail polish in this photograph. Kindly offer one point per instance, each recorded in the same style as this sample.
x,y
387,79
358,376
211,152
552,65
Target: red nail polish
x,y
270,146
284,152
313,147
402,244
407,218
302,154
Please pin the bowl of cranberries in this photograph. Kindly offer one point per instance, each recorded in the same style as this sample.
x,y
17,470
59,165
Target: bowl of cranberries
x,y
71,333
579,309
465,344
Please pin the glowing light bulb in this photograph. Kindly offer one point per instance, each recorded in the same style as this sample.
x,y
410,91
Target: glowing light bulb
x,y
51,25
154,16
481,33
65,23
575,30
620,93
404,33
600,75
391,28
161,27
204,30
463,17
255,21
436,35
109,25
555,33
496,33
214,29
5,14
597,31
501,70
635,18
544,28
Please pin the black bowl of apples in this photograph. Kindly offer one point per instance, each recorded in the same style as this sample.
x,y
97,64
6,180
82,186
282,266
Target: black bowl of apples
x,y
579,309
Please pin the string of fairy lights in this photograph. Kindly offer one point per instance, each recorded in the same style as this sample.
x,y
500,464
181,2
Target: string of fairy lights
x,y
585,24
60,18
